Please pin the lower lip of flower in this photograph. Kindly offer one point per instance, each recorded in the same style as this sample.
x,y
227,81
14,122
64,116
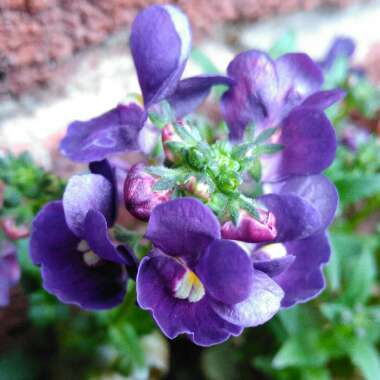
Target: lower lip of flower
x,y
189,287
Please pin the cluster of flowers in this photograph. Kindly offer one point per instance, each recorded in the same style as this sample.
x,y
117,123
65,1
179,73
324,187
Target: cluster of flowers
x,y
220,259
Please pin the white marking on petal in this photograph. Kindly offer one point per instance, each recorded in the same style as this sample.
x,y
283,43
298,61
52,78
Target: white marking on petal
x,y
274,251
83,246
182,26
90,258
189,287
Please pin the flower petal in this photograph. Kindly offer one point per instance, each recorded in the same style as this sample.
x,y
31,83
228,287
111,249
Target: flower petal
x,y
160,42
295,217
318,191
176,316
113,132
309,146
254,95
96,234
191,92
304,279
299,76
323,99
64,272
341,47
261,305
226,272
183,227
275,266
83,193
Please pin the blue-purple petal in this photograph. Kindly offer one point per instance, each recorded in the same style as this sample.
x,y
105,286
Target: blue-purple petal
x,y
226,272
113,132
304,279
183,227
324,99
274,267
254,95
191,92
309,146
160,43
175,316
341,47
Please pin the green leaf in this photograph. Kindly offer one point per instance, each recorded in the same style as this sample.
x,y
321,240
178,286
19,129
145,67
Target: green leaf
x,y
361,280
316,374
241,150
365,356
161,171
267,149
266,134
164,184
249,205
184,133
354,187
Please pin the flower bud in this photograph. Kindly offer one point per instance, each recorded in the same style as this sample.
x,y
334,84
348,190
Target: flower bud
x,y
199,189
250,229
139,197
168,135
196,158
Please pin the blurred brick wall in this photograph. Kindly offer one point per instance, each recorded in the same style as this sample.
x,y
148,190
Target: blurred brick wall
x,y
38,36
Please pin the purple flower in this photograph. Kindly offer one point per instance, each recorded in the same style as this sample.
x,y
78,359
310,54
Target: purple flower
x,y
197,284
303,207
79,263
284,93
139,197
9,271
160,43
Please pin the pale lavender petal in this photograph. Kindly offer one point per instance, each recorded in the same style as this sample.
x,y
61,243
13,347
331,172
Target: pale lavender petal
x,y
299,76
160,42
275,266
183,227
83,193
226,271
318,191
262,304
341,47
113,132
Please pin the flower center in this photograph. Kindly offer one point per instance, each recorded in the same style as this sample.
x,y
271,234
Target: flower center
x,y
189,287
273,251
89,257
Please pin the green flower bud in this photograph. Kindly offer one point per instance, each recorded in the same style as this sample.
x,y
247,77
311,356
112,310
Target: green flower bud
x,y
196,158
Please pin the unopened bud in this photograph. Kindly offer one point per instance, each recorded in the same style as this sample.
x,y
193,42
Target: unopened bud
x,y
139,197
199,189
250,229
168,135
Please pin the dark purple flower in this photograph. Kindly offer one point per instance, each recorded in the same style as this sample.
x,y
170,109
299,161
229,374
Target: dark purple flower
x,y
9,271
197,284
139,197
79,263
303,207
160,43
284,93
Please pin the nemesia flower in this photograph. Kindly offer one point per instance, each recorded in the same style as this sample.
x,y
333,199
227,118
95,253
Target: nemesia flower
x,y
139,197
160,50
197,284
79,263
9,271
341,47
284,93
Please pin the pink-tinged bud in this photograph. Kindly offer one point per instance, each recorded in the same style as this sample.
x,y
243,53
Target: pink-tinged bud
x,y
251,230
12,231
139,197
199,189
168,135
